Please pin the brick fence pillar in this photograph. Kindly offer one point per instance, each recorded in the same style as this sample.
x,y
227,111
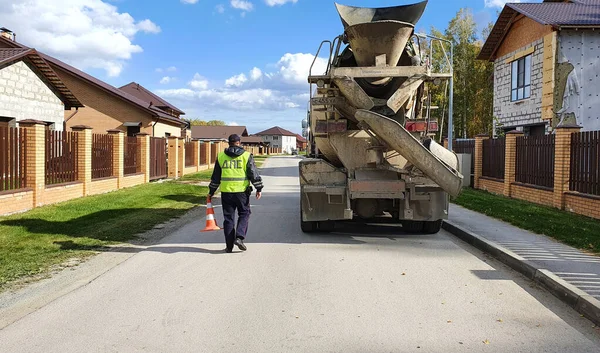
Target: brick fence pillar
x,y
144,155
36,159
562,163
84,152
510,160
173,145
197,155
181,155
118,158
478,158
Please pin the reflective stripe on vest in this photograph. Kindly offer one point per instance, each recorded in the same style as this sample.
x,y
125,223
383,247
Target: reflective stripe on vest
x,y
233,172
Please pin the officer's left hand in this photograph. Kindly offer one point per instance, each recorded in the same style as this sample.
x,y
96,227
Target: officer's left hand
x,y
258,195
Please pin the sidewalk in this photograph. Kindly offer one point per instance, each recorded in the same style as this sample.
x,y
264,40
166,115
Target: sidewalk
x,y
568,273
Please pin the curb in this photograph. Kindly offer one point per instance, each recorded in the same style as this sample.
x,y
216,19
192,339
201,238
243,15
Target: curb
x,y
579,300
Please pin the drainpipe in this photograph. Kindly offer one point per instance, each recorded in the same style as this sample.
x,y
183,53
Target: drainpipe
x,y
153,125
69,118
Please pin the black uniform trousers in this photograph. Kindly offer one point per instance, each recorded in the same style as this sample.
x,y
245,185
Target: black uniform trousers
x,y
231,202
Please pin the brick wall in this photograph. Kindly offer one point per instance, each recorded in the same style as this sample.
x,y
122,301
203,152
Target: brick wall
x,y
584,205
532,194
493,186
24,95
38,194
528,111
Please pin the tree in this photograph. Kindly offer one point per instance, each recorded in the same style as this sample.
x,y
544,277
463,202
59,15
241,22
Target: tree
x,y
197,122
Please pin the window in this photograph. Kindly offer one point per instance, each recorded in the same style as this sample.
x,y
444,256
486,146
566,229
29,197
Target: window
x,y
133,130
521,78
275,138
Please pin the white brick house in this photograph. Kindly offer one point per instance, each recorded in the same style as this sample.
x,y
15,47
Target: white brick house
x,y
546,66
277,137
29,89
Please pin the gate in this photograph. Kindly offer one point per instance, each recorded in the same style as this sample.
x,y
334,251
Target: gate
x,y
158,158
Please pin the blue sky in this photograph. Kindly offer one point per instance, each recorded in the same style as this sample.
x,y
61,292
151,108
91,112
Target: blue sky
x,y
241,61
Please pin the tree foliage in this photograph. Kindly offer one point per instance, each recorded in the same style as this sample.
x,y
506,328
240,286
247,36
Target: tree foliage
x,y
197,122
473,79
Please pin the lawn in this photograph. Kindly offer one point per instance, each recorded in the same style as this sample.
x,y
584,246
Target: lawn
x,y
571,229
32,242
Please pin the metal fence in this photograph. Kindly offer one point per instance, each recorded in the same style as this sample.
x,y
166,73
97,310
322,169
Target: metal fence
x,y
189,154
130,156
585,166
158,158
61,156
535,160
468,147
493,158
203,159
13,158
102,156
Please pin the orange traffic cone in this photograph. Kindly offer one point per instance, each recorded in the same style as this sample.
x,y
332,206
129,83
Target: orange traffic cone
x,y
211,222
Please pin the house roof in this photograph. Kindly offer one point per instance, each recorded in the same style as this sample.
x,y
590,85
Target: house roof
x,y
156,112
32,58
139,91
217,132
572,14
300,138
252,139
276,130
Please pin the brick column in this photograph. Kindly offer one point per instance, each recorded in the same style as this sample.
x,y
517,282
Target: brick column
x,y
207,153
84,151
144,155
562,162
197,154
36,159
181,155
173,142
510,160
118,159
478,158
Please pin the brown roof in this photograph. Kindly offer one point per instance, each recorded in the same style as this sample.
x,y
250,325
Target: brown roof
x,y
217,132
139,91
32,58
252,139
156,112
276,131
300,138
577,13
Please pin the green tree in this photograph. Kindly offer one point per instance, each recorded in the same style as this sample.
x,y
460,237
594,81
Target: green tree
x,y
197,122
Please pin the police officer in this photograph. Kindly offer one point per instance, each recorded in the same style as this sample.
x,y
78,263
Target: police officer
x,y
234,171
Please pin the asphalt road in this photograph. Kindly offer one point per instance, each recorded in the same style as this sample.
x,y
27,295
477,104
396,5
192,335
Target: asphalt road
x,y
362,289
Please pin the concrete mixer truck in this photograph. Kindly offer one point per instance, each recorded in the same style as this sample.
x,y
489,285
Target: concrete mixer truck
x,y
370,156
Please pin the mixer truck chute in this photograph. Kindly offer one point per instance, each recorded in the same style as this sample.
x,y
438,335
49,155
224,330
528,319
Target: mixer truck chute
x,y
362,161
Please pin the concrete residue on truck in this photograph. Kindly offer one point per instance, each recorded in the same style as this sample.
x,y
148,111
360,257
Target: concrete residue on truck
x,y
366,158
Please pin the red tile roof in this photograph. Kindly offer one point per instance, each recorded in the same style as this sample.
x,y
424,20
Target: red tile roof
x,y
300,138
32,58
252,139
276,131
139,91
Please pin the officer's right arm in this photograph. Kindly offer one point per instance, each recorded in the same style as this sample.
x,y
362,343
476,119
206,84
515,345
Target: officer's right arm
x,y
215,179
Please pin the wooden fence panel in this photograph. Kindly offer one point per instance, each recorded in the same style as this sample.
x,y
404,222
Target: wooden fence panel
x,y
158,158
189,154
535,160
61,156
585,167
131,163
13,158
493,158
102,156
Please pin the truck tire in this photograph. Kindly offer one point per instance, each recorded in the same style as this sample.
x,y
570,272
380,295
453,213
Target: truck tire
x,y
307,227
326,226
412,226
432,227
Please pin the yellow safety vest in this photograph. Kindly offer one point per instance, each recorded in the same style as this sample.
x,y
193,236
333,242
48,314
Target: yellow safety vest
x,y
233,172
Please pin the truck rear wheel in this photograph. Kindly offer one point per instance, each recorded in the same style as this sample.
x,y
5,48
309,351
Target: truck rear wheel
x,y
326,226
432,227
412,226
307,227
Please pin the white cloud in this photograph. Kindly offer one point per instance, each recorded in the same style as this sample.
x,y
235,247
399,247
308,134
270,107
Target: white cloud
x,y
189,1
220,8
84,33
242,5
171,69
166,80
236,81
198,82
279,2
255,73
491,3
233,123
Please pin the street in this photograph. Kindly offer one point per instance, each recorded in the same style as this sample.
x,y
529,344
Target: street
x,y
363,288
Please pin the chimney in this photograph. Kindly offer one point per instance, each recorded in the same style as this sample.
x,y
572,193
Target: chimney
x,y
7,33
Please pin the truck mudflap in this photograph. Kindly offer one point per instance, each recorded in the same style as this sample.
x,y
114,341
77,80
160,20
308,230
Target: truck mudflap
x,y
400,140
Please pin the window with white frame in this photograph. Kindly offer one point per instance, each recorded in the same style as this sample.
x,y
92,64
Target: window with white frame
x,y
275,138
521,78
